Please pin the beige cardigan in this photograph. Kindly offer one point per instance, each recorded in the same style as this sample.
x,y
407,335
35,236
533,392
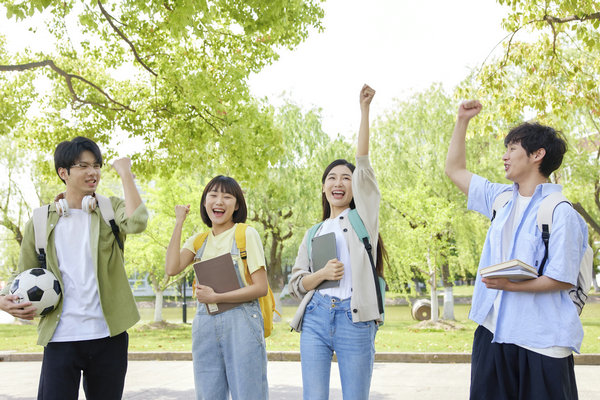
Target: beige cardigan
x,y
364,295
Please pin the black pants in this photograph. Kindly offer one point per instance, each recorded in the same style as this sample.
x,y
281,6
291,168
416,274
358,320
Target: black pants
x,y
501,371
102,361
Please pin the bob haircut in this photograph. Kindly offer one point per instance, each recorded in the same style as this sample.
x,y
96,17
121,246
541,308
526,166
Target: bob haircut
x,y
325,203
225,184
67,153
534,136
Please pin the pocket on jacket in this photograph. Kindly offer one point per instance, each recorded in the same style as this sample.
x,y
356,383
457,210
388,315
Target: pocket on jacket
x,y
527,249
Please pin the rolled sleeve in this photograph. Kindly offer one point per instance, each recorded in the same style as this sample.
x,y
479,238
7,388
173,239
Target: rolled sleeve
x,y
300,270
27,256
254,250
366,195
566,246
135,223
189,243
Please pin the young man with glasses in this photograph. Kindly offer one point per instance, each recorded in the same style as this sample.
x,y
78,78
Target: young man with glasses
x,y
86,333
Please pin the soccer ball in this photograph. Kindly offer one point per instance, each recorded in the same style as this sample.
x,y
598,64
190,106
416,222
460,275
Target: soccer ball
x,y
40,287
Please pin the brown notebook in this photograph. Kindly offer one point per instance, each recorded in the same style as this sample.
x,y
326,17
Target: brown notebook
x,y
218,273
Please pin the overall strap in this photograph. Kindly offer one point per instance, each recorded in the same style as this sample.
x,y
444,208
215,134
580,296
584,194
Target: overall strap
x,y
200,243
40,219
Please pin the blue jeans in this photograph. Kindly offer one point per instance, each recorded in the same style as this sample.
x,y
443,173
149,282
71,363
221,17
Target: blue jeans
x,y
327,327
229,354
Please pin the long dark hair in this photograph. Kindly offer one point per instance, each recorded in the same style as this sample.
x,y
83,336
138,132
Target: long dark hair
x,y
382,255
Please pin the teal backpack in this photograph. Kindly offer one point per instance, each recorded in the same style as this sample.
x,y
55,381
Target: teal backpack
x,y
363,235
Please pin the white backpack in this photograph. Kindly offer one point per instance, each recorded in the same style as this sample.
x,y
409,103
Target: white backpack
x,y
544,222
40,218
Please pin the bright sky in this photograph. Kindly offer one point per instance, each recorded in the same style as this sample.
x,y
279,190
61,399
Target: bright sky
x,y
396,46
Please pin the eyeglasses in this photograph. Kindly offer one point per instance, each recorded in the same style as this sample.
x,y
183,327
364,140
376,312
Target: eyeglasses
x,y
84,165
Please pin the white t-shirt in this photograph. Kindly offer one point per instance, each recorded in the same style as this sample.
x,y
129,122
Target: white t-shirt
x,y
82,317
507,233
343,291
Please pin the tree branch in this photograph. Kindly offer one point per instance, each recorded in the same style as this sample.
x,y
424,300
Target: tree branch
x,y
572,18
69,80
511,39
110,19
587,217
205,119
554,35
597,194
597,131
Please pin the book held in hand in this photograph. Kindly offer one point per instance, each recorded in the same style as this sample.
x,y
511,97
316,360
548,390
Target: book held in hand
x,y
323,250
219,273
515,270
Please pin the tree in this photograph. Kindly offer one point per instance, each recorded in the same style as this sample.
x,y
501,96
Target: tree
x,y
172,75
425,225
286,202
145,252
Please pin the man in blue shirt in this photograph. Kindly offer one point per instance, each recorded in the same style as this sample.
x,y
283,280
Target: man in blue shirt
x,y
528,329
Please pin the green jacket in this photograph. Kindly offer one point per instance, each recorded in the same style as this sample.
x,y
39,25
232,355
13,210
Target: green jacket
x,y
116,298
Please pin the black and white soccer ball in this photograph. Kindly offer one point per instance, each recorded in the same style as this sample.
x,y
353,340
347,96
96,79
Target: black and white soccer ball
x,y
40,287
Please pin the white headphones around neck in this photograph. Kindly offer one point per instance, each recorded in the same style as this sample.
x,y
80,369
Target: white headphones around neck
x,y
88,204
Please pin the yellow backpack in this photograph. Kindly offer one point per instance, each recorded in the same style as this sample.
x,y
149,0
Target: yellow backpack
x,y
267,303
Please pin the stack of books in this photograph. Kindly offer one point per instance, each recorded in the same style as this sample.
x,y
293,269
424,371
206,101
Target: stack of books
x,y
515,270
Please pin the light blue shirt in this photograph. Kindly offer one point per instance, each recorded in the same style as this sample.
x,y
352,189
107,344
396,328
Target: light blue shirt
x,y
538,320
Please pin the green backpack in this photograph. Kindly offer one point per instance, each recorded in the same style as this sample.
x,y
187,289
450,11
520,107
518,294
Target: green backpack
x,y
363,235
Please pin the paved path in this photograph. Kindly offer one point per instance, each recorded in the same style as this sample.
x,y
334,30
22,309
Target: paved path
x,y
173,380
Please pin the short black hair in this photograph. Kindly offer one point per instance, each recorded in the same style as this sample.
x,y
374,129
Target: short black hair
x,y
229,185
533,136
67,153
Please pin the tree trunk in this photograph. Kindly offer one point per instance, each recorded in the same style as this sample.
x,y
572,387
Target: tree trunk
x,y
448,294
158,306
595,283
274,272
434,299
448,304
158,299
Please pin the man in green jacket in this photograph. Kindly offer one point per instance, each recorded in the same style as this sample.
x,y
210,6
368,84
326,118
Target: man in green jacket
x,y
87,330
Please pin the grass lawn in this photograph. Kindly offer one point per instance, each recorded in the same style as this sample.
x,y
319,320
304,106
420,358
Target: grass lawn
x,y
398,334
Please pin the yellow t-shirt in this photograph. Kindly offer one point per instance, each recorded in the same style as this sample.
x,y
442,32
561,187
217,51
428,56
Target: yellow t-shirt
x,y
222,244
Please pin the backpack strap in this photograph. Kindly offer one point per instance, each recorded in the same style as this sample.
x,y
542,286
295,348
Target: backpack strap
x,y
500,201
544,220
108,215
363,235
40,219
311,234
239,240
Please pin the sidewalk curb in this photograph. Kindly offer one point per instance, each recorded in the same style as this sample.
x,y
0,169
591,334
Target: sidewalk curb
x,y
436,358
